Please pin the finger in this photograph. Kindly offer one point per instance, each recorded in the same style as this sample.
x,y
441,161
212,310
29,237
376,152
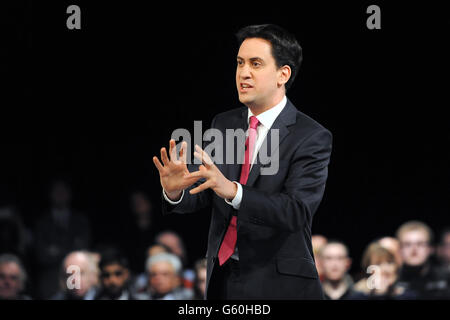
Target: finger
x,y
173,151
191,180
198,174
158,164
201,188
204,157
164,157
183,152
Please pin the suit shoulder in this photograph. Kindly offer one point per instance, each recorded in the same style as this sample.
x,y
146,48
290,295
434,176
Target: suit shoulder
x,y
233,113
305,121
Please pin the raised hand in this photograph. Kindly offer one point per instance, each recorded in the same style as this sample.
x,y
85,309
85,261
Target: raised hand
x,y
174,175
215,180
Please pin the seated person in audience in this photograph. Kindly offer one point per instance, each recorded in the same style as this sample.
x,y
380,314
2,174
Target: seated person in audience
x,y
140,283
337,283
83,288
12,278
115,275
164,280
200,279
176,244
418,273
393,246
382,270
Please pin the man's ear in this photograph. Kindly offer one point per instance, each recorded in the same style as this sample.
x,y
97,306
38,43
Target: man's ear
x,y
284,75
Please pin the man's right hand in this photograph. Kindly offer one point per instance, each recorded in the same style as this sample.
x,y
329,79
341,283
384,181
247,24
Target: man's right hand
x,y
174,175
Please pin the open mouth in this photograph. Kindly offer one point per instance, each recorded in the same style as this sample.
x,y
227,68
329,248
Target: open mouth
x,y
244,87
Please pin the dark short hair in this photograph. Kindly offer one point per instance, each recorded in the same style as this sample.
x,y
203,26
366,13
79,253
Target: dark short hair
x,y
285,48
113,256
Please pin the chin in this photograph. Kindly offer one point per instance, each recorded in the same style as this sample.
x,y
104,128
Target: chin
x,y
245,100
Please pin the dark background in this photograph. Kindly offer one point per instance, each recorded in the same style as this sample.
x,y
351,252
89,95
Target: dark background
x,y
96,104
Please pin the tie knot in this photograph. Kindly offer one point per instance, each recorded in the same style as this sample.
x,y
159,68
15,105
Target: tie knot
x,y
253,122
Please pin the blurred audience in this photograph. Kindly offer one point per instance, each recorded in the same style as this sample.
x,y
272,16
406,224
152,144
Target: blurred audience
x,y
393,246
140,262
318,241
140,283
443,253
164,278
12,278
383,268
140,229
337,283
173,241
87,264
115,278
61,230
200,280
15,238
418,273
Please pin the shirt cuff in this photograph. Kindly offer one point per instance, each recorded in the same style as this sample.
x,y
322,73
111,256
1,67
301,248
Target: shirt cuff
x,y
170,201
236,202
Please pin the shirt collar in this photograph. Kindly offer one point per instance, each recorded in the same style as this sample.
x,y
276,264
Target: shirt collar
x,y
267,118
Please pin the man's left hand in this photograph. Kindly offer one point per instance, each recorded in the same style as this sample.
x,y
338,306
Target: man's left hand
x,y
215,180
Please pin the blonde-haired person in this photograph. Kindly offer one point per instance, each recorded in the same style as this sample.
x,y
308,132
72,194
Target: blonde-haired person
x,y
382,269
337,283
418,273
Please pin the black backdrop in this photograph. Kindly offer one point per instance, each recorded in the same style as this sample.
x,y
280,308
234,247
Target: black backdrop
x,y
96,104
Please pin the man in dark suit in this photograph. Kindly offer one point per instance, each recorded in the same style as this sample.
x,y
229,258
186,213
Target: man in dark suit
x,y
259,244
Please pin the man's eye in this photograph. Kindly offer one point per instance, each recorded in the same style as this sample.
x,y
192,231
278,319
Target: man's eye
x,y
256,64
239,62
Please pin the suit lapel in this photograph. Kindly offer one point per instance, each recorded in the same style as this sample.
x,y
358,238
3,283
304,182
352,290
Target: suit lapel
x,y
234,169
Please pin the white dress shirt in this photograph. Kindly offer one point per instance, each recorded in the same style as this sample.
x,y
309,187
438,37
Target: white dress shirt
x,y
266,120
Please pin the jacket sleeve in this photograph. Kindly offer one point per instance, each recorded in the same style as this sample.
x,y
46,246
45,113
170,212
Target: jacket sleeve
x,y
302,189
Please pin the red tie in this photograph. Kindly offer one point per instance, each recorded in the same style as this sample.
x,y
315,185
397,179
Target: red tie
x,y
229,241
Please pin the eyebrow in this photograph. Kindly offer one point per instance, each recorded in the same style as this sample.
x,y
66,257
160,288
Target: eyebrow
x,y
251,59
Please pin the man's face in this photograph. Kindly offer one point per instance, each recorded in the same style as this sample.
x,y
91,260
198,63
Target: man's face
x,y
173,242
415,247
257,75
114,278
86,276
10,282
163,278
335,262
201,280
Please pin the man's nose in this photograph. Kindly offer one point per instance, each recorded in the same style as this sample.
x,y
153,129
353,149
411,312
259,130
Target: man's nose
x,y
244,72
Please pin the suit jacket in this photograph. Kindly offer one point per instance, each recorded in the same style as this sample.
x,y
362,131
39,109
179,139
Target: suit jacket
x,y
275,215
